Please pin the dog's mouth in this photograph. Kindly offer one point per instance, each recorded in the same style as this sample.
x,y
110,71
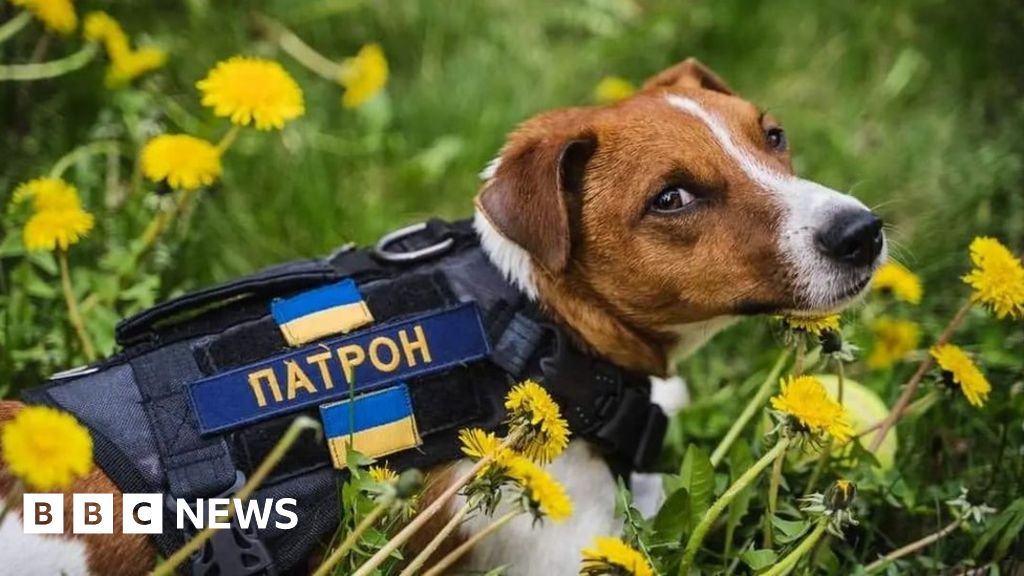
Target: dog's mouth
x,y
847,294
842,298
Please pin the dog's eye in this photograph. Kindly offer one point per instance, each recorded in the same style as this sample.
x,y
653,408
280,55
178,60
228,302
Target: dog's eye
x,y
671,200
776,138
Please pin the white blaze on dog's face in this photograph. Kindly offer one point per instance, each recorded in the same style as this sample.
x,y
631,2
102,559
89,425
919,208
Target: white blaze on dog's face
x,y
676,206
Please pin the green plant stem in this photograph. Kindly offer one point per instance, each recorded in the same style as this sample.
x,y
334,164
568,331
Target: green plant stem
x,y
429,512
801,354
290,436
68,160
914,546
436,542
15,25
52,69
302,53
339,553
752,407
790,561
773,496
74,316
454,556
908,393
716,509
156,227
840,380
154,230
228,139
175,112
819,467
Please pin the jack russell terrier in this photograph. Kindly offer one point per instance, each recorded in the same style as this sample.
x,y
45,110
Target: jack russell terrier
x,y
643,227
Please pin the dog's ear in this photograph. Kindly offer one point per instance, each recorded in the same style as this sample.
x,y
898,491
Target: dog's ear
x,y
530,193
689,73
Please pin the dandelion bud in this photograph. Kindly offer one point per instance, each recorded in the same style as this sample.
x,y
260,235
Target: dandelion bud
x,y
841,494
409,483
831,341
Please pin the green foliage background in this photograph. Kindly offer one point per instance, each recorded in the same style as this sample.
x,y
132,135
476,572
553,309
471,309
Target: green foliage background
x,y
916,106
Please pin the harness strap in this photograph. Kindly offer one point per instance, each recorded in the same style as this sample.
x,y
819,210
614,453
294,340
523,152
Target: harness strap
x,y
195,467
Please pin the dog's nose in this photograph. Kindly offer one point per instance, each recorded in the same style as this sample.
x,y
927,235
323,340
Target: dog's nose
x,y
852,237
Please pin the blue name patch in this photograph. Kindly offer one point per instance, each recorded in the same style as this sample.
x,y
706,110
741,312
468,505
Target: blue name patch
x,y
323,372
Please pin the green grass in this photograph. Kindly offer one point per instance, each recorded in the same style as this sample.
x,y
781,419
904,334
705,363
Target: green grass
x,y
916,106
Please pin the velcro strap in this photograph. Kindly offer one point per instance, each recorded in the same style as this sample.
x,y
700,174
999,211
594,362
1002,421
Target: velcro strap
x,y
196,467
240,345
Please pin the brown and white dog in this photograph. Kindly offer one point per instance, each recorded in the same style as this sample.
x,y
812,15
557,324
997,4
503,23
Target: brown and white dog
x,y
645,226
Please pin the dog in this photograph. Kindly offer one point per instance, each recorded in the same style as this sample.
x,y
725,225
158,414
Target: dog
x,y
645,227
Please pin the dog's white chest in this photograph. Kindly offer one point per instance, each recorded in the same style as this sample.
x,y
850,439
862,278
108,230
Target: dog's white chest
x,y
552,548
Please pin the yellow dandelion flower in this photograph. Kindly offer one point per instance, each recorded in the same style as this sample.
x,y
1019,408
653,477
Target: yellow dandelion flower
x,y
997,278
954,361
815,326
125,64
545,494
805,399
477,443
612,89
185,162
894,339
134,63
47,194
58,220
535,415
893,278
363,75
52,229
46,448
101,27
57,15
611,556
383,474
252,91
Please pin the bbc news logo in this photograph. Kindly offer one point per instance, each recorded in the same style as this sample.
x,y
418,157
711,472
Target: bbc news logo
x,y
144,513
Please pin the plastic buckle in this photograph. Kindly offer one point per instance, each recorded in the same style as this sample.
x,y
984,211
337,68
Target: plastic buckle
x,y
233,551
382,252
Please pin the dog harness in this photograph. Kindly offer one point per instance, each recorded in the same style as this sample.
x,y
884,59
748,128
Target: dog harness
x,y
395,348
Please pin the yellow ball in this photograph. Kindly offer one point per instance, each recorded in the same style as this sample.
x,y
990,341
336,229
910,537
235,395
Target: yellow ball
x,y
864,408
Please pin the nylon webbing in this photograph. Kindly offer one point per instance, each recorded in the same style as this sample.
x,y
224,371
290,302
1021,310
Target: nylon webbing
x,y
196,467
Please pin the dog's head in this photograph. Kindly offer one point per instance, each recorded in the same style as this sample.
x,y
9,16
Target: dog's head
x,y
675,206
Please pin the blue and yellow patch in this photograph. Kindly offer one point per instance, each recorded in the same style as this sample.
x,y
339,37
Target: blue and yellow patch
x,y
336,308
326,371
376,424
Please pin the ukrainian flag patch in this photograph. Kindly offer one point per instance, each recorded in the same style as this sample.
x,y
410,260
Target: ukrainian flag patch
x,y
332,309
377,424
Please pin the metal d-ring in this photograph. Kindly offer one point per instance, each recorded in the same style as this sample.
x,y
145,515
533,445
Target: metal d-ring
x,y
382,252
